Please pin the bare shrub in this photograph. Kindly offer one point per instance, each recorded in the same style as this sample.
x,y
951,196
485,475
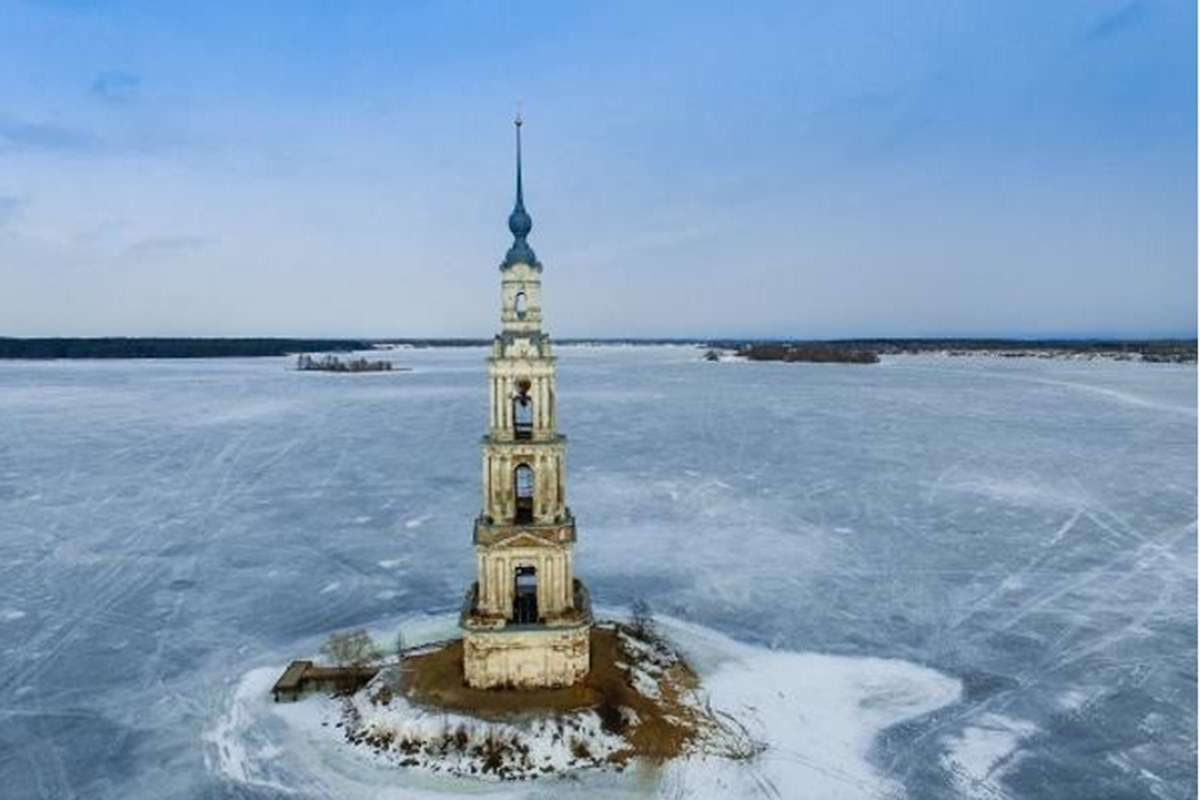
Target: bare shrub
x,y
461,737
611,718
354,652
641,620
580,750
395,672
733,740
494,750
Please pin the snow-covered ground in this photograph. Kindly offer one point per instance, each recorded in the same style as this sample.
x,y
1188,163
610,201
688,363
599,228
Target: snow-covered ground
x,y
1006,544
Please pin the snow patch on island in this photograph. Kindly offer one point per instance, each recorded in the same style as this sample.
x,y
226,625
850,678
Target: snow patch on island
x,y
818,714
400,733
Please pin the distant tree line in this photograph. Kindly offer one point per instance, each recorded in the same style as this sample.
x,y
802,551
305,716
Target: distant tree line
x,y
860,350
123,347
813,353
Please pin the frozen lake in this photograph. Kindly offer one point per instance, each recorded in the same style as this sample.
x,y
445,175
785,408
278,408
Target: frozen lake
x,y
1025,526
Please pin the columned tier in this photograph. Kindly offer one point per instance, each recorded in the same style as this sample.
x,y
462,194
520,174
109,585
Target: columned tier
x,y
524,481
521,396
554,598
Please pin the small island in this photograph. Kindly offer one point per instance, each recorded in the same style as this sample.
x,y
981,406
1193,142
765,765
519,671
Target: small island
x,y
810,353
331,363
640,700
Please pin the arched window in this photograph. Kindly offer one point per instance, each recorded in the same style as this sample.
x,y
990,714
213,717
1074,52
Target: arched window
x,y
523,488
525,607
519,304
523,411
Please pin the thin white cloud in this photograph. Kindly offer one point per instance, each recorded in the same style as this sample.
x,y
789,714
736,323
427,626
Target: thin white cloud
x,y
168,245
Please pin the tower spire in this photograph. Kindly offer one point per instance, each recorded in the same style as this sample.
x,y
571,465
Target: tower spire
x,y
518,122
519,221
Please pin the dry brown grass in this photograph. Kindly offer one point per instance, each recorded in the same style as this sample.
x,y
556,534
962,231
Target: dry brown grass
x,y
663,729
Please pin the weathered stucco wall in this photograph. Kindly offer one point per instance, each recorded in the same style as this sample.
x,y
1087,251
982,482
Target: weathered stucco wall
x,y
526,658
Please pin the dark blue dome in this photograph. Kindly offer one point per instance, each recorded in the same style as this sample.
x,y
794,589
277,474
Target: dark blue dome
x,y
520,253
519,222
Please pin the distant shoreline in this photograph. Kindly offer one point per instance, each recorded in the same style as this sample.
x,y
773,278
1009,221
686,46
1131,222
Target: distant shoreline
x,y
55,348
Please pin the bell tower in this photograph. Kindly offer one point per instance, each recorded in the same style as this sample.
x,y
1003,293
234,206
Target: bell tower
x,y
526,619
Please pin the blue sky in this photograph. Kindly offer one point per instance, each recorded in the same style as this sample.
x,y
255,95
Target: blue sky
x,y
808,169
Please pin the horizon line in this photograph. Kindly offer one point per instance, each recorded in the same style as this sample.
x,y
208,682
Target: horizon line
x,y
1057,337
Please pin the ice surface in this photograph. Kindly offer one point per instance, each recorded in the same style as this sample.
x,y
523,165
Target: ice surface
x,y
1024,527
978,753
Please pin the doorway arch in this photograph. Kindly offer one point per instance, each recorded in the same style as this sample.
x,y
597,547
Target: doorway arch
x,y
525,605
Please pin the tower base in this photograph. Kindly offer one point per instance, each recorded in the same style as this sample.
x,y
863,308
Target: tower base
x,y
528,657
548,655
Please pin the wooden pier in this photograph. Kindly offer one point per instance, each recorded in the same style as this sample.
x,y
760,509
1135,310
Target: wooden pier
x,y
304,676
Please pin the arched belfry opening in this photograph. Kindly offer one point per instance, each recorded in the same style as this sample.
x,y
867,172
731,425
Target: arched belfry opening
x,y
520,305
523,489
523,411
525,605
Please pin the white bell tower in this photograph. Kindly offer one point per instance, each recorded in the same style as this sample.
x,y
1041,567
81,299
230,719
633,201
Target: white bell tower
x,y
527,619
